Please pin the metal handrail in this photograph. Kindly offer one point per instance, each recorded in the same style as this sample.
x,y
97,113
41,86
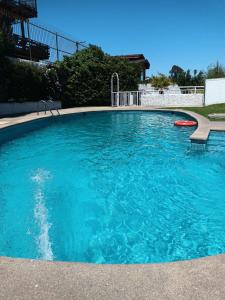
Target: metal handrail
x,y
51,109
117,88
126,98
47,107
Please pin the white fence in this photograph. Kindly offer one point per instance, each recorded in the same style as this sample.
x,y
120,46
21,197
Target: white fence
x,y
126,98
215,91
172,97
172,90
192,90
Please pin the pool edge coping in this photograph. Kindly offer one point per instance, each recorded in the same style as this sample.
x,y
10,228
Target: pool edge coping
x,y
191,279
200,135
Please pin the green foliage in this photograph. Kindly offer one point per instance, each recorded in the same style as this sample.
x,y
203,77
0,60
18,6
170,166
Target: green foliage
x,y
2,45
160,82
206,110
25,82
216,71
85,77
50,83
186,78
7,45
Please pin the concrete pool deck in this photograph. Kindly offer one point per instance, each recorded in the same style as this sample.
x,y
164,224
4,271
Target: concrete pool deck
x,y
194,279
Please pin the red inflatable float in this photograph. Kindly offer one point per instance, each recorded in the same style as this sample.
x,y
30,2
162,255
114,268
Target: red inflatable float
x,y
185,123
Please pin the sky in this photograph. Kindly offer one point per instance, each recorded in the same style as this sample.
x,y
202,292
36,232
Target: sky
x,y
188,33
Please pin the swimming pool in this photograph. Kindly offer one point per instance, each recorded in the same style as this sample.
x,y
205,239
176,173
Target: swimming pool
x,y
112,187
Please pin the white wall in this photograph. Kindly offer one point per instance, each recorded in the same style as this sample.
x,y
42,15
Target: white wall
x,y
7,108
172,89
182,100
214,91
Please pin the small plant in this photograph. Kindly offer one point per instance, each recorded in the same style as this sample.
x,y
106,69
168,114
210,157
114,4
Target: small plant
x,y
160,82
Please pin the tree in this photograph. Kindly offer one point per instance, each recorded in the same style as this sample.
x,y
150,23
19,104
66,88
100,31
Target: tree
x,y
7,45
160,82
186,78
216,71
175,72
85,77
198,79
27,82
79,80
51,84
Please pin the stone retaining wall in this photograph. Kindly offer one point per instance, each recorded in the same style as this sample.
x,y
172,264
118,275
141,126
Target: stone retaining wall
x,y
165,100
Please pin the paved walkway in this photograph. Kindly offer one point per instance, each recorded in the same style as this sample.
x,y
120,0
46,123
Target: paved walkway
x,y
218,126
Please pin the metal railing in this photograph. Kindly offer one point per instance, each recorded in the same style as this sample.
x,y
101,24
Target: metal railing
x,y
126,98
58,44
115,97
192,89
175,90
129,98
46,105
52,107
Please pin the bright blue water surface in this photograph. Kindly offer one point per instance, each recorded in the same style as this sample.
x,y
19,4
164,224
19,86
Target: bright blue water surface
x,y
112,188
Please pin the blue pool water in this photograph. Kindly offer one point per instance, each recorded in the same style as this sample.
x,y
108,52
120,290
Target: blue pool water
x,y
112,188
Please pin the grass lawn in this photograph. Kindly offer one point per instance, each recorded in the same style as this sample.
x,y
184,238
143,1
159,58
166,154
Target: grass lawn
x,y
211,109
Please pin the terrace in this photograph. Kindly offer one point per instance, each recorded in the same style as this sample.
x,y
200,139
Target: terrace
x,y
20,8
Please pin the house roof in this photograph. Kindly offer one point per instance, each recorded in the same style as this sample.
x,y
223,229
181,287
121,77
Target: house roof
x,y
137,58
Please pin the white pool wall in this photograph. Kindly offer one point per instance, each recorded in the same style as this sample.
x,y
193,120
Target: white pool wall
x,y
14,108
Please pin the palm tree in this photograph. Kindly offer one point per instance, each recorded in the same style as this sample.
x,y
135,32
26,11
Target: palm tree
x,y
160,82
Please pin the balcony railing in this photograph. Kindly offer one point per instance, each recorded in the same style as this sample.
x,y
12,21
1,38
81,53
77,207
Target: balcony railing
x,y
176,90
58,45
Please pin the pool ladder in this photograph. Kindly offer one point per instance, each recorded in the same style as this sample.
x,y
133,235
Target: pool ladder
x,y
47,104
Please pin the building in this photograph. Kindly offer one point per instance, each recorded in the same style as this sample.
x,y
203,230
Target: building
x,y
30,41
138,59
20,12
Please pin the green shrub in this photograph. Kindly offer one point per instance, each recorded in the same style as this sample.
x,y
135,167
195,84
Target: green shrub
x,y
22,81
160,82
80,80
85,77
216,71
7,45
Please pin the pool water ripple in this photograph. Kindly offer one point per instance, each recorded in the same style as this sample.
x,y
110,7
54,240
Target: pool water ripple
x,y
113,187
